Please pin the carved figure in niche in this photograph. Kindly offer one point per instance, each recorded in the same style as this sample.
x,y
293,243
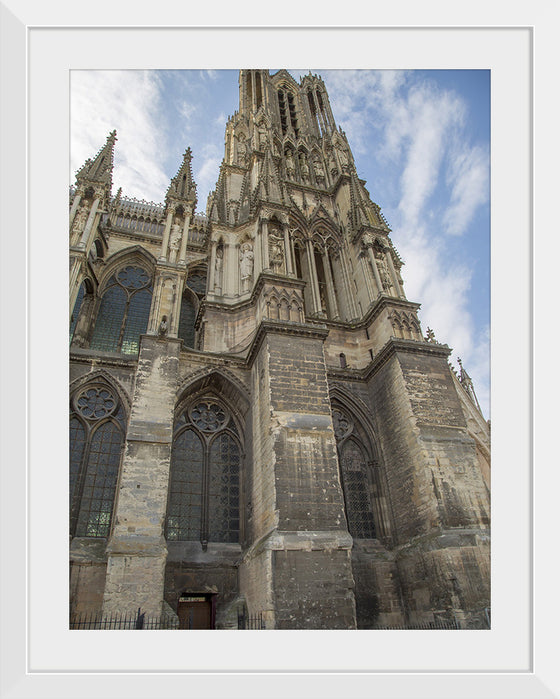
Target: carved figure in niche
x,y
343,158
163,327
247,261
318,169
276,251
304,167
241,150
218,267
333,167
175,237
263,136
290,165
383,273
80,218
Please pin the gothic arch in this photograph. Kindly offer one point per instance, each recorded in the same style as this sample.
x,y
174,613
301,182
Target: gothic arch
x,y
361,432
102,376
221,382
132,255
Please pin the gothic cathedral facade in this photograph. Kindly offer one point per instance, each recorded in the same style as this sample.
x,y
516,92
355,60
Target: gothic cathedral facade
x,y
257,424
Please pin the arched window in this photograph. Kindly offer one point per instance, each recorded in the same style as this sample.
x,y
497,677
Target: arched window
x,y
203,500
186,320
353,460
96,436
124,311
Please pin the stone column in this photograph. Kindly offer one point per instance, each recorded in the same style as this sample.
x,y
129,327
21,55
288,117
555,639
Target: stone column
x,y
391,268
184,241
212,267
264,239
300,544
288,247
375,270
89,224
313,276
330,286
75,204
136,549
166,232
367,278
350,297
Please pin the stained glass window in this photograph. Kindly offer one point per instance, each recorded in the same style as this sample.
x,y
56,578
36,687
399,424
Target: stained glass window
x,y
203,501
354,476
124,311
223,490
356,491
186,322
184,509
95,454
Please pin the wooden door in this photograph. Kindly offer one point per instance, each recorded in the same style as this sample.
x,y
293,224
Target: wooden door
x,y
195,613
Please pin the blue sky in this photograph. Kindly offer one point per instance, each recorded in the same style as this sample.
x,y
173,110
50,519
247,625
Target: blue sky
x,y
420,139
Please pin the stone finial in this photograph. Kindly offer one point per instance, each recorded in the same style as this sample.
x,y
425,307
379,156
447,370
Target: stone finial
x,y
430,336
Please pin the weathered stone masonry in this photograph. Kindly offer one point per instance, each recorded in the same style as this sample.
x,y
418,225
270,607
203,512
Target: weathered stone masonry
x,y
258,426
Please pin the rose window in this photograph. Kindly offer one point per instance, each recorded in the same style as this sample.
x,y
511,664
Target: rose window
x,y
208,417
133,277
96,403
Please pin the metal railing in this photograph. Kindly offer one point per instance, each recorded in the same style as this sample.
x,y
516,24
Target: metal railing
x,y
126,621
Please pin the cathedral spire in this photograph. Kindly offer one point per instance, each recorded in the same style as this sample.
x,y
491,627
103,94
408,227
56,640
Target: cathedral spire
x,y
182,188
99,171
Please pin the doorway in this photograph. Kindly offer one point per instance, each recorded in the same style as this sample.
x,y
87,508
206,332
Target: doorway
x,y
195,611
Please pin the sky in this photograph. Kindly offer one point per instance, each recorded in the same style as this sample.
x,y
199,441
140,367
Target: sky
x,y
420,139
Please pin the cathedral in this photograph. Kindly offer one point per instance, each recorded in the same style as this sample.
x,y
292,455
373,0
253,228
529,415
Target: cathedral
x,y
261,434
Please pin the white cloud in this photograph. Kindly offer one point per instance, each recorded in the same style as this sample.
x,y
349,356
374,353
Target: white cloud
x,y
423,151
469,177
129,102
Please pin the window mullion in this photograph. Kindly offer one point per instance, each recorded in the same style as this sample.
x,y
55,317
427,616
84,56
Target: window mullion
x,y
205,498
123,324
80,482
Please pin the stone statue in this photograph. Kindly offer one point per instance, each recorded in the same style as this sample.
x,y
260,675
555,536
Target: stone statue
x,y
290,165
241,150
263,136
318,169
247,260
175,236
304,167
219,267
80,218
276,245
163,328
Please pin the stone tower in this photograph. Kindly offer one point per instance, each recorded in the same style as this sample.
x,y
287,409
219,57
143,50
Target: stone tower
x,y
258,426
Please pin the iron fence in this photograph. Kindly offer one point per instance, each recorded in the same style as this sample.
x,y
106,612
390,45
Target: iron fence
x,y
250,622
126,621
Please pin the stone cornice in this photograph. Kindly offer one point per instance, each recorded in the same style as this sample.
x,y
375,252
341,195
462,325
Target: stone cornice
x,y
89,356
395,345
389,349
281,327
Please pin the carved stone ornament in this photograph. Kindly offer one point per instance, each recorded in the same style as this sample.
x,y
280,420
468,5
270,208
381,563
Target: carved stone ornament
x,y
247,261
342,424
96,403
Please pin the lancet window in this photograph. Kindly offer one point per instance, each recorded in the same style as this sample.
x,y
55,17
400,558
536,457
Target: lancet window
x,y
354,472
124,311
97,423
203,501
